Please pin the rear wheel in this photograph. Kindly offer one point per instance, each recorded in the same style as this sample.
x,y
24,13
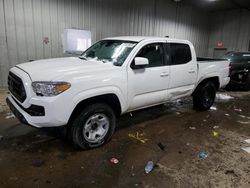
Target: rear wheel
x,y
203,97
93,127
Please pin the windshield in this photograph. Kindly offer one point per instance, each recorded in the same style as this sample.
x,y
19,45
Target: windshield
x,y
114,51
238,57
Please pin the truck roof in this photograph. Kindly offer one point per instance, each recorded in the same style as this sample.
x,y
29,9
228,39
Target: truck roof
x,y
140,38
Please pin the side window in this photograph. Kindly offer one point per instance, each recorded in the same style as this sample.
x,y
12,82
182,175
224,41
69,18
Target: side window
x,y
154,53
180,53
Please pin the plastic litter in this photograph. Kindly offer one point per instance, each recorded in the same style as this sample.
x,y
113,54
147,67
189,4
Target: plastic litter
x,y
38,162
247,141
137,137
178,113
10,115
192,128
114,160
227,114
161,146
213,108
242,116
203,155
215,133
223,97
247,149
237,110
132,171
149,167
244,122
216,127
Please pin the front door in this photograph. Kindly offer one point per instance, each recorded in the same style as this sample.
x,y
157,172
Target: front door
x,y
147,86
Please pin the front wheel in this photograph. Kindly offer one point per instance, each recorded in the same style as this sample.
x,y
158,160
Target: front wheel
x,y
203,97
93,127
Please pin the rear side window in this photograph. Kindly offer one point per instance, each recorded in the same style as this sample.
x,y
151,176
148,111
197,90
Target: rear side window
x,y
180,53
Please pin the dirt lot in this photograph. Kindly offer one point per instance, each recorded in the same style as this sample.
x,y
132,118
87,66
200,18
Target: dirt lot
x,y
31,157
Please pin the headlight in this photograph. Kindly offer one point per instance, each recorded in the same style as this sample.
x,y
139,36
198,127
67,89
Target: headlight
x,y
50,88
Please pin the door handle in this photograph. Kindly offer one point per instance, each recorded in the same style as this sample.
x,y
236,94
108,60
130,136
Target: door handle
x,y
164,74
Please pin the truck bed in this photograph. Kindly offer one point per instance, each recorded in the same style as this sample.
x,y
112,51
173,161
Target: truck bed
x,y
208,67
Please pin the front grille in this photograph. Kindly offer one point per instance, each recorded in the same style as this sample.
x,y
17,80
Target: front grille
x,y
16,87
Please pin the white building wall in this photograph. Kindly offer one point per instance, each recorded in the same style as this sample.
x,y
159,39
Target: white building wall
x,y
25,23
232,28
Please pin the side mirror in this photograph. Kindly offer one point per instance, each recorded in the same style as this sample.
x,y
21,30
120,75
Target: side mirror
x,y
139,63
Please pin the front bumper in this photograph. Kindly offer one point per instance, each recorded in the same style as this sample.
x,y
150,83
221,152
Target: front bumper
x,y
46,120
15,111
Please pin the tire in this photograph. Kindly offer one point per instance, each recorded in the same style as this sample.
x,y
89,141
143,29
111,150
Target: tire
x,y
93,127
247,84
204,96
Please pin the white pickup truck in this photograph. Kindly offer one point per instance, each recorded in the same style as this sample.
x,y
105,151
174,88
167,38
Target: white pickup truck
x,y
114,76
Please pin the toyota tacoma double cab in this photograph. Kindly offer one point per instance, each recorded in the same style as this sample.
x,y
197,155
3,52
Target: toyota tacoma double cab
x,y
112,77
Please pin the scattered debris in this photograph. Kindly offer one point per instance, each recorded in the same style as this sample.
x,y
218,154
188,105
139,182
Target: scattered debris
x,y
215,133
137,137
9,115
192,128
38,162
203,155
114,160
247,149
149,167
227,114
131,115
247,141
244,122
213,108
132,171
161,146
223,97
178,113
242,116
216,127
237,110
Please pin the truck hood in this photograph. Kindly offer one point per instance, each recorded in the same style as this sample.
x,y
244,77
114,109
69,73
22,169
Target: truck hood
x,y
51,69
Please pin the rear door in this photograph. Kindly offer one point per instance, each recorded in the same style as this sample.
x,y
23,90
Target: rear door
x,y
183,70
147,86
